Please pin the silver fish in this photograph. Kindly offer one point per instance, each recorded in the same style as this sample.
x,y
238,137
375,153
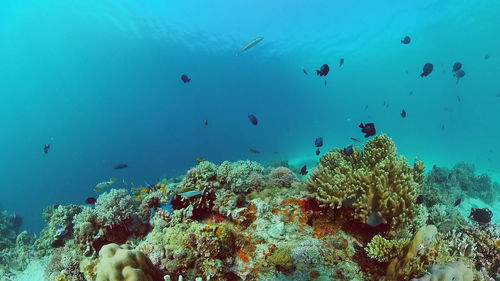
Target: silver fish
x,y
250,45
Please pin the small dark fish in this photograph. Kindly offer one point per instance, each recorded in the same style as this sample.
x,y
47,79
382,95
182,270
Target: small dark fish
x,y
420,199
486,57
385,103
355,139
348,150
31,255
325,83
305,72
482,216
459,74
427,69
411,93
120,166
254,150
252,119
366,107
317,151
442,127
205,122
457,66
46,148
58,226
457,202
368,129
318,142
341,62
406,40
90,200
323,71
403,113
458,98
63,232
303,170
185,78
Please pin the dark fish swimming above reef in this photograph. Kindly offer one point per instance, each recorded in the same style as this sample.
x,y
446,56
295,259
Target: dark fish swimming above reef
x,y
252,119
317,151
303,170
46,148
90,200
323,71
318,142
420,199
457,202
254,150
185,78
457,66
250,45
341,62
368,129
348,150
120,166
406,40
305,72
482,216
427,69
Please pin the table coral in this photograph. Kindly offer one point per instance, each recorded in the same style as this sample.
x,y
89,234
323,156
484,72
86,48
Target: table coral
x,y
379,186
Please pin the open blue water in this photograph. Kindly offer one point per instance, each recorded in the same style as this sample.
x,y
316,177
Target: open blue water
x,y
100,82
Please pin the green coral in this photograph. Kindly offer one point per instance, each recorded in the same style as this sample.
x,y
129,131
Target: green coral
x,y
377,184
241,176
384,250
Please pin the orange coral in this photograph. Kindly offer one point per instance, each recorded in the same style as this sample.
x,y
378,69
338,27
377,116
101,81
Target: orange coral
x,y
242,255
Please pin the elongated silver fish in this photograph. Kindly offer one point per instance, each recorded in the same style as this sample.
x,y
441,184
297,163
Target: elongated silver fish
x,y
250,45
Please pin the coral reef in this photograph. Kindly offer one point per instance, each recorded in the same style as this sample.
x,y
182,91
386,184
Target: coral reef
x,y
355,218
376,184
460,181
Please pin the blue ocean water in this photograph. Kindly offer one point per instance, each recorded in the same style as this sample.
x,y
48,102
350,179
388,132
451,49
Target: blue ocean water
x,y
100,82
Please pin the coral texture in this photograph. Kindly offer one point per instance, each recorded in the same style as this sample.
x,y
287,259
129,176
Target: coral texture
x,y
121,263
455,271
379,186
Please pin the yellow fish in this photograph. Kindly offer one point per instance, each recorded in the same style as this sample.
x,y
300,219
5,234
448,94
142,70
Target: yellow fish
x,y
144,190
162,189
138,197
284,171
198,159
497,243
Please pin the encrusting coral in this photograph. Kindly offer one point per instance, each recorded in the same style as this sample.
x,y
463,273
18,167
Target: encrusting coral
x,y
455,271
379,186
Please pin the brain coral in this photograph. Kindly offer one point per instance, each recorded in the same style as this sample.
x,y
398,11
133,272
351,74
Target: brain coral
x,y
379,186
121,263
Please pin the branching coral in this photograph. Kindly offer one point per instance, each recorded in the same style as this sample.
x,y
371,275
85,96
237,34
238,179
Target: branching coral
x,y
114,207
385,250
379,186
241,176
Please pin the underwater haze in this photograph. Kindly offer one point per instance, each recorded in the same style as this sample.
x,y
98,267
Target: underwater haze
x,y
100,82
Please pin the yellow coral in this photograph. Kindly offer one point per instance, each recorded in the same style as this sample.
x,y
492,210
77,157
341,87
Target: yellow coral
x,y
282,258
378,185
88,268
60,277
121,263
384,250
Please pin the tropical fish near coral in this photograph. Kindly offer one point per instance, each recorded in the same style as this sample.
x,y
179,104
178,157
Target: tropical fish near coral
x,y
100,186
482,216
406,40
252,119
250,45
318,142
46,148
120,166
348,150
198,159
254,150
368,129
303,170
